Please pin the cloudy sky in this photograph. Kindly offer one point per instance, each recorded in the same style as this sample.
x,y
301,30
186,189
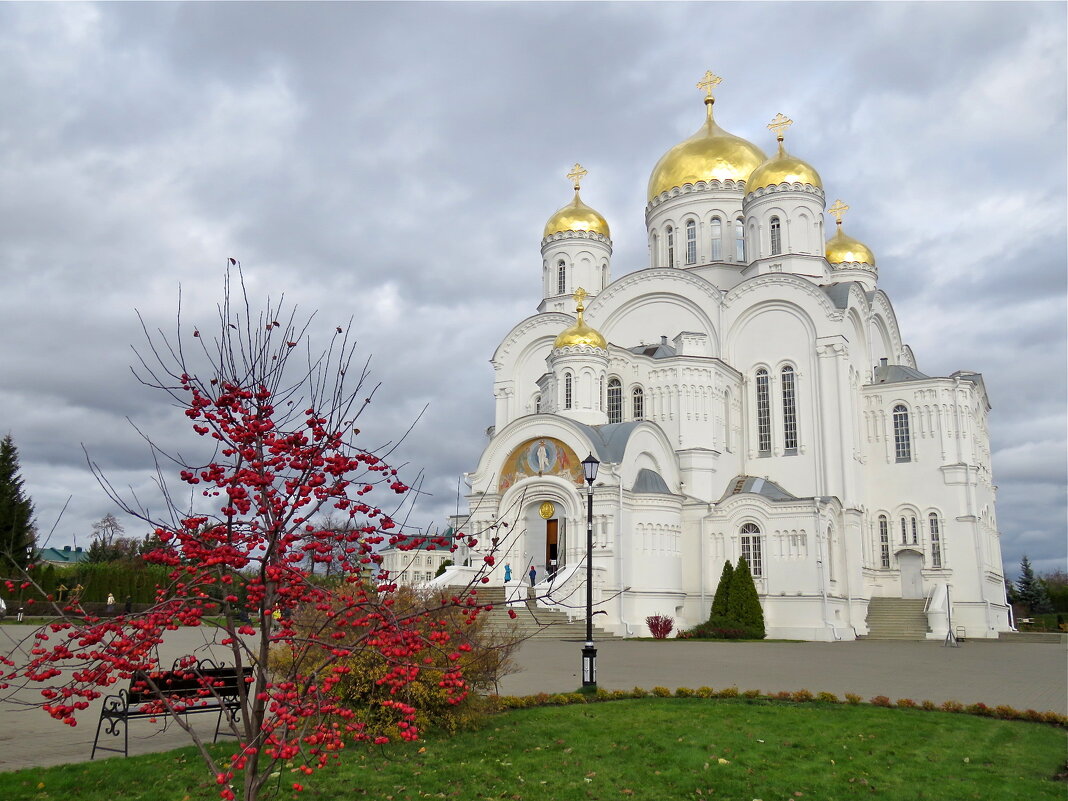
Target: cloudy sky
x,y
396,162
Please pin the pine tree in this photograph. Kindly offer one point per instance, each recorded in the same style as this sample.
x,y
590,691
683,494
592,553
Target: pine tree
x,y
743,604
723,590
18,537
1030,591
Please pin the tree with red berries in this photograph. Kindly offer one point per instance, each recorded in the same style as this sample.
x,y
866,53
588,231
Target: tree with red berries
x,y
279,421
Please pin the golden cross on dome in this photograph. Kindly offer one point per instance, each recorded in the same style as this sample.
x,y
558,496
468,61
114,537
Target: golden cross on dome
x,y
779,125
838,209
580,296
576,175
710,82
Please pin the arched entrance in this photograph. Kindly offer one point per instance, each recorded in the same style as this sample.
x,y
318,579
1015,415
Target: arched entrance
x,y
545,543
910,565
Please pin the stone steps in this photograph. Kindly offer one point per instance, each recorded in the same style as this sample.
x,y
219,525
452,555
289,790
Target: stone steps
x,y
532,622
896,619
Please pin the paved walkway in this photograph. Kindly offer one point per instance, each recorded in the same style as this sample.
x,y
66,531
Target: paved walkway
x,y
1023,675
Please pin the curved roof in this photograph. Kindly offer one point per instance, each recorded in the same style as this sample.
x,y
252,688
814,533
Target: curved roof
x,y
651,482
610,441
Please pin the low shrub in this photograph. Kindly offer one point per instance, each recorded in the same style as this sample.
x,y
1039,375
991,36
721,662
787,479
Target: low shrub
x,y
705,692
728,692
639,692
661,692
827,698
660,626
929,705
952,706
683,692
751,693
906,703
881,700
801,696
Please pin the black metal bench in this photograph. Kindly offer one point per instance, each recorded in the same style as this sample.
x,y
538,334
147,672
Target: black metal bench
x,y
202,687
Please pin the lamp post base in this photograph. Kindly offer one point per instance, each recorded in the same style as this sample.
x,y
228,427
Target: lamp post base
x,y
589,665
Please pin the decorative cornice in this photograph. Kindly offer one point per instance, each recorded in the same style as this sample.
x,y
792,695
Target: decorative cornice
x,y
854,265
796,186
588,235
714,185
784,279
579,350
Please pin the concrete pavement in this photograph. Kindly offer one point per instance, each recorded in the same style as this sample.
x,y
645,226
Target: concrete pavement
x,y
1023,675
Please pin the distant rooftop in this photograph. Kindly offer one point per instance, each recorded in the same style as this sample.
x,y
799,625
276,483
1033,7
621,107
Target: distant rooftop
x,y
66,555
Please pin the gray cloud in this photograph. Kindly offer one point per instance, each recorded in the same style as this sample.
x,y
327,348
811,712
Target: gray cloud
x,y
395,163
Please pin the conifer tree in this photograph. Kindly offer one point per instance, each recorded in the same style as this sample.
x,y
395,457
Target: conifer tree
x,y
723,590
1031,591
743,604
17,534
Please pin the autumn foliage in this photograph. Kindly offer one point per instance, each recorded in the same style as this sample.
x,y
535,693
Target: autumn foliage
x,y
285,453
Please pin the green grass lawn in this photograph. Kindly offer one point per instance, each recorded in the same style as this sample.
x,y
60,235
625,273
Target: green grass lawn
x,y
656,749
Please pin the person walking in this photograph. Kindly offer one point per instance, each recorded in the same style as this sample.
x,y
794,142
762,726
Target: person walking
x,y
507,573
533,576
110,607
128,606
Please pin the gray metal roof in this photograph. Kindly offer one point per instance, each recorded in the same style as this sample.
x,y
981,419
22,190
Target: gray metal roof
x,y
662,350
609,441
838,293
650,481
757,486
895,373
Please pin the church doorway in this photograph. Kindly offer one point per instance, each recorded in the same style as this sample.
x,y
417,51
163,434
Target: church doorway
x,y
910,564
552,545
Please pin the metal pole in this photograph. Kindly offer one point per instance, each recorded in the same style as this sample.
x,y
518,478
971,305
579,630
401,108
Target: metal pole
x,y
589,653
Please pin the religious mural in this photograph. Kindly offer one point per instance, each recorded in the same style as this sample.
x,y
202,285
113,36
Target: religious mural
x,y
543,456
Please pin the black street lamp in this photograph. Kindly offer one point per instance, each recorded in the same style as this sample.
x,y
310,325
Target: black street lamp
x,y
589,653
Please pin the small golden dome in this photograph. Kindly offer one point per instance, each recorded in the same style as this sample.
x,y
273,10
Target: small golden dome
x,y
576,216
709,154
580,333
782,169
842,249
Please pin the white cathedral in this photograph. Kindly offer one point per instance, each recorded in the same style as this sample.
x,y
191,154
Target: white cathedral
x,y
748,394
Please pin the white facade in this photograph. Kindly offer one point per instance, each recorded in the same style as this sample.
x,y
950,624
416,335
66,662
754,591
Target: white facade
x,y
755,396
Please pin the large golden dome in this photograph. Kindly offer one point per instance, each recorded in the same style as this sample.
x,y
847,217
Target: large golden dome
x,y
580,333
576,216
782,168
709,154
842,249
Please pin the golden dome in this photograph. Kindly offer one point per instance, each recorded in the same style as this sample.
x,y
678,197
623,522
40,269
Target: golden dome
x,y
843,249
782,168
580,333
576,216
709,154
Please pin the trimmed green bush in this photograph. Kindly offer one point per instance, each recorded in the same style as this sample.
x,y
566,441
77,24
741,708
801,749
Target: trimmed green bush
x,y
723,589
743,603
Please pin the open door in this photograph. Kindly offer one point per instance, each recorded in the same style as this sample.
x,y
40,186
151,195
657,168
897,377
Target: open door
x,y
552,546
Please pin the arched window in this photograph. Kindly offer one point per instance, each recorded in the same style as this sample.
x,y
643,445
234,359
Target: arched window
x,y
691,242
884,541
763,413
561,277
936,540
789,411
739,240
615,401
670,246
752,552
902,441
567,390
717,239
654,248
637,398
537,404
908,524
776,237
